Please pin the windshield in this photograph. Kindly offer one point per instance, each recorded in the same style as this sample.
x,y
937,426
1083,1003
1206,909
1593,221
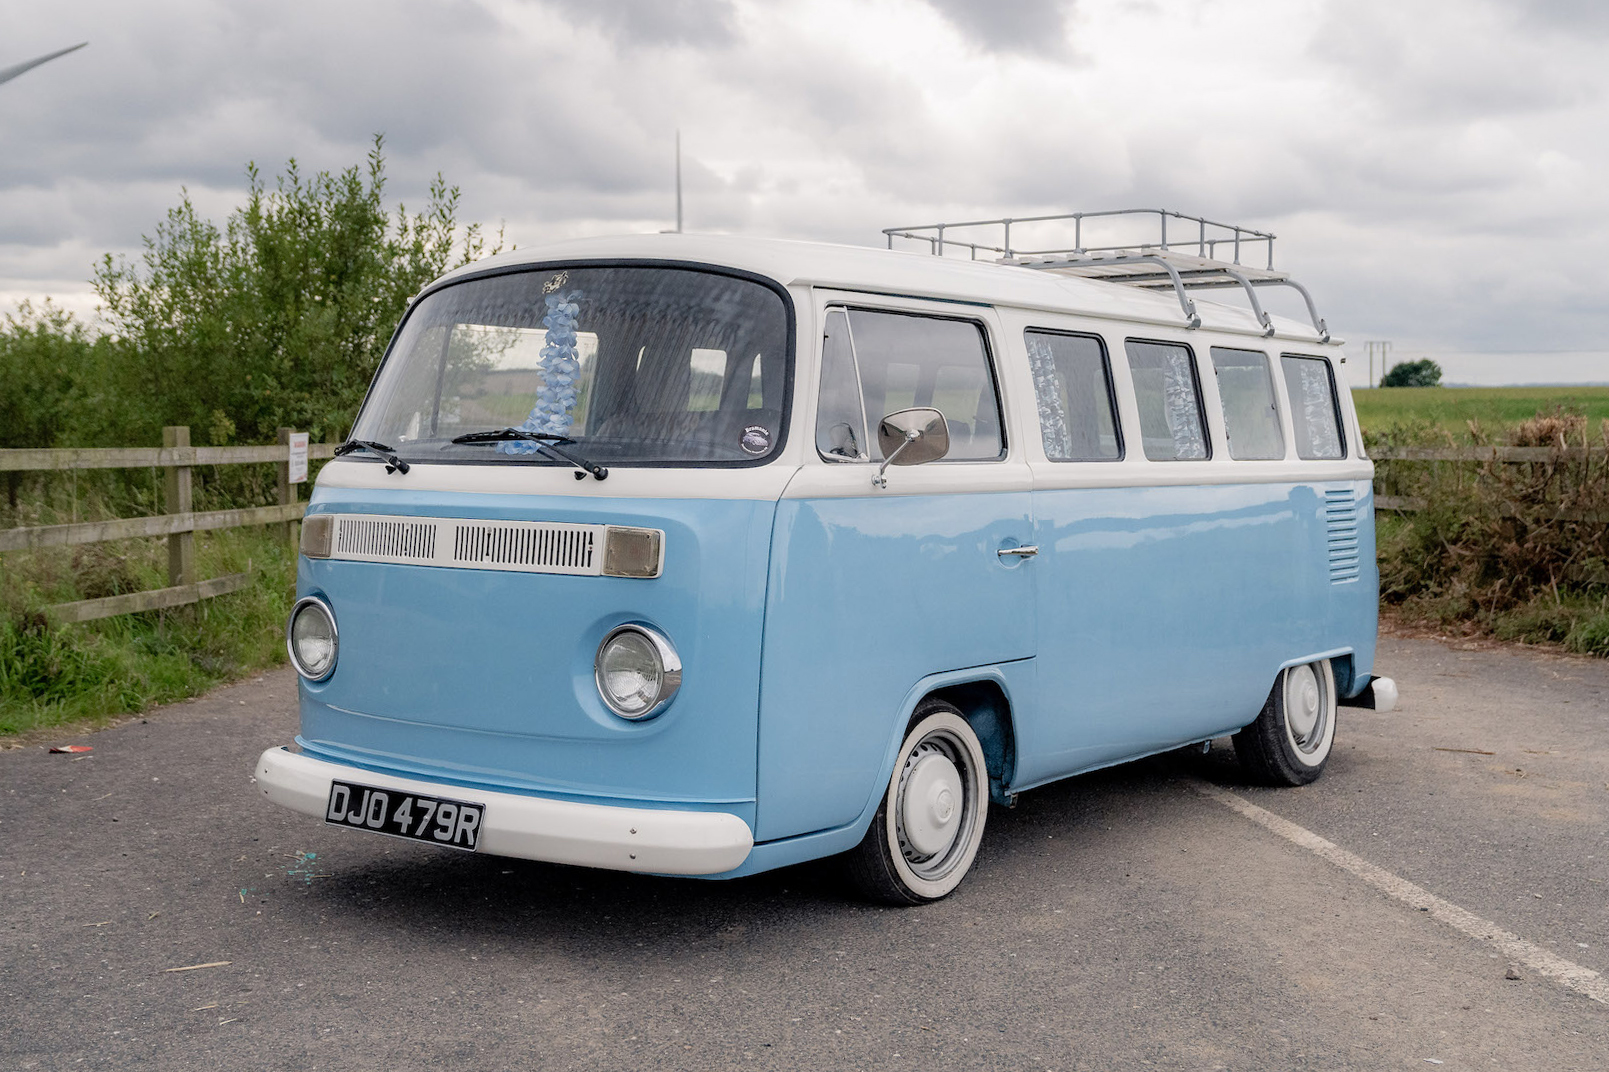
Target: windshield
x,y
638,365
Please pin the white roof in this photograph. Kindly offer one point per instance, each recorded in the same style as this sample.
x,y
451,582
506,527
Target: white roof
x,y
866,268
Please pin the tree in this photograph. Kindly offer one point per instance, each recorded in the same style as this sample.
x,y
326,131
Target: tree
x,y
1421,373
44,356
279,317
46,366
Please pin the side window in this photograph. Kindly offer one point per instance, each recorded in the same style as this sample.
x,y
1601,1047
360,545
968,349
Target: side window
x,y
840,423
893,361
1173,426
1315,409
1246,385
1073,384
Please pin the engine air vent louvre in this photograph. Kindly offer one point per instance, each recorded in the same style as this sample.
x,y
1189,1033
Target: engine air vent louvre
x,y
1341,522
413,541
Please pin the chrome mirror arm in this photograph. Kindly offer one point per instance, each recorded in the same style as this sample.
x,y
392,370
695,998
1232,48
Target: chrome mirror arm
x,y
881,481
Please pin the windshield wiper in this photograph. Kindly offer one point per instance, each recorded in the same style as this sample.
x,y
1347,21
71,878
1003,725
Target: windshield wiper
x,y
544,441
393,464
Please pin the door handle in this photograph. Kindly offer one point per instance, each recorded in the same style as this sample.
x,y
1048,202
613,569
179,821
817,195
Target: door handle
x,y
1027,551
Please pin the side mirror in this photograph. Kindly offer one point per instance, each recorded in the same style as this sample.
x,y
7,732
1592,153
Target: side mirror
x,y
911,437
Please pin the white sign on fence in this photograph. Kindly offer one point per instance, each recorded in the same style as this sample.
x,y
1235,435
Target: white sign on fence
x,y
298,458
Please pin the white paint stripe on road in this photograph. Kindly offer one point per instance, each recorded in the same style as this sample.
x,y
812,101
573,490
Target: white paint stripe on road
x,y
1582,980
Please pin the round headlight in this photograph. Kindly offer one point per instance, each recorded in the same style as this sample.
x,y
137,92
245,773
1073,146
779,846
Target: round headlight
x,y
637,671
311,639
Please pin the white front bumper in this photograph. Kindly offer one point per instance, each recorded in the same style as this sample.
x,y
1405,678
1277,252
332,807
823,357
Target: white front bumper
x,y
538,828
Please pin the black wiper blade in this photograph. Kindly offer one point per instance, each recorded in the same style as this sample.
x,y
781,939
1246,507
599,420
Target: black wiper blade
x,y
393,464
544,441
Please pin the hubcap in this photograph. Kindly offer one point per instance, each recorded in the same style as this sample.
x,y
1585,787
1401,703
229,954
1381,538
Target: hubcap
x,y
1304,707
931,803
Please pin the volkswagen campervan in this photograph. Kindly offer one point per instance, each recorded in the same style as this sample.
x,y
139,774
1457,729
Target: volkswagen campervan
x,y
702,555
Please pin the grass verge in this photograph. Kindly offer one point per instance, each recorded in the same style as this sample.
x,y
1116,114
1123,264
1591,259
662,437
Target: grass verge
x,y
1450,409
90,673
1575,620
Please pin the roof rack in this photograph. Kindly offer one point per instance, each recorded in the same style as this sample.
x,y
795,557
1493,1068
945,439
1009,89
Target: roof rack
x,y
1187,261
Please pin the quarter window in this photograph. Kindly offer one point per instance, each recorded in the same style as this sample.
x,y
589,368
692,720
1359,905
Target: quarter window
x,y
840,423
1246,386
1173,426
875,363
1073,385
1315,408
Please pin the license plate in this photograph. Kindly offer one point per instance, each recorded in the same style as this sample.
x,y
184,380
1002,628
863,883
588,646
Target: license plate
x,y
435,820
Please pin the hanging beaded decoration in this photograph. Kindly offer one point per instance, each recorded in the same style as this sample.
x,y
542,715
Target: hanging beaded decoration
x,y
554,411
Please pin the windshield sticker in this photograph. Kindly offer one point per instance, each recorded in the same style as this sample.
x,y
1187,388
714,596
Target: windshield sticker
x,y
756,439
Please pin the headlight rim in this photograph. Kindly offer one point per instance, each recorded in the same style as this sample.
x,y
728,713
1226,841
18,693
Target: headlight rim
x,y
290,638
669,660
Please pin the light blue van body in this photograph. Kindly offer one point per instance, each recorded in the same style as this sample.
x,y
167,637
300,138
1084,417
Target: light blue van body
x,y
812,612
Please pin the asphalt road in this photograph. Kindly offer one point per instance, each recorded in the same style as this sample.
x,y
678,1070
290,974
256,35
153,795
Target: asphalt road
x,y
1121,920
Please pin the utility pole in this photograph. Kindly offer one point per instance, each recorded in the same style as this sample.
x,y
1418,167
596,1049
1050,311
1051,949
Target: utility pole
x,y
8,73
678,182
1382,347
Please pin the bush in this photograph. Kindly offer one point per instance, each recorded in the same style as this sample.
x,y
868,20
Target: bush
x,y
47,360
1519,549
1421,373
277,318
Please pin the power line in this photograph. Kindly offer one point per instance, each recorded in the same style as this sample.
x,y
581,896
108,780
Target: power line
x,y
1383,348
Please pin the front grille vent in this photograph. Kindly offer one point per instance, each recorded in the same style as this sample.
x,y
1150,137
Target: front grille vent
x,y
463,543
1341,523
544,548
385,540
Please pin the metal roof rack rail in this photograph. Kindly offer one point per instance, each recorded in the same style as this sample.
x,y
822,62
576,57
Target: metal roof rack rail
x,y
1181,264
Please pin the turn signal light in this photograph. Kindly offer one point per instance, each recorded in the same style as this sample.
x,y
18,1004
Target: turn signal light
x,y
316,532
631,552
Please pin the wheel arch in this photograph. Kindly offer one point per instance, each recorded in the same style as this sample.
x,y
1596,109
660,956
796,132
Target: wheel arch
x,y
988,697
983,702
1342,665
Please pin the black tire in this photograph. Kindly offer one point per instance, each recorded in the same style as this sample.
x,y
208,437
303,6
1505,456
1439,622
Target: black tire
x,y
1290,742
914,859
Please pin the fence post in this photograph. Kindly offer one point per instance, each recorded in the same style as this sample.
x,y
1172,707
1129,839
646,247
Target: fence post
x,y
181,545
287,490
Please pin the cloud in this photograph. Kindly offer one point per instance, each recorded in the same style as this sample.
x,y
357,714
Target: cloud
x,y
658,22
1022,26
1572,17
1430,167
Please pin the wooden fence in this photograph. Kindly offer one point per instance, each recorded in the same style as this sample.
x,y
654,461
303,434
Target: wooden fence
x,y
1506,455
1479,454
180,524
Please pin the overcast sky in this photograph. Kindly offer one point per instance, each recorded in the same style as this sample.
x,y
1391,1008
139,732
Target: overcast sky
x,y
1435,169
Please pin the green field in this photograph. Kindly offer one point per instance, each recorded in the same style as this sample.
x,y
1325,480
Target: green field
x,y
1452,408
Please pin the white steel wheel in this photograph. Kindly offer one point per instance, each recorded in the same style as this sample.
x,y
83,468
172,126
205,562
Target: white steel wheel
x,y
1309,713
927,831
1291,740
